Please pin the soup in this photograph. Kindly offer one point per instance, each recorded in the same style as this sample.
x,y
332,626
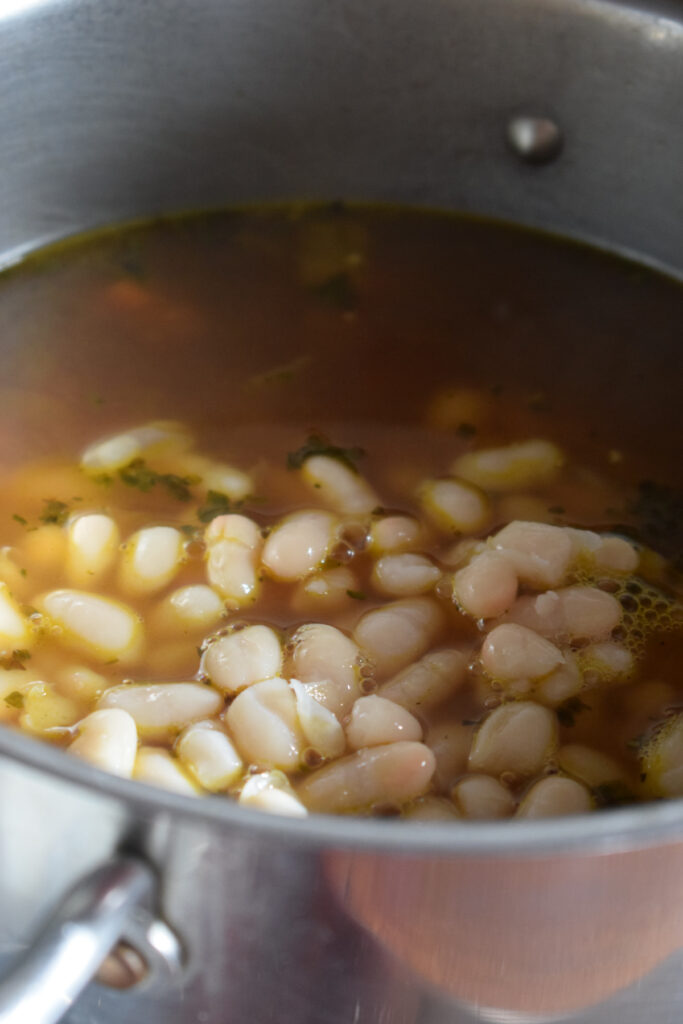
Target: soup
x,y
345,510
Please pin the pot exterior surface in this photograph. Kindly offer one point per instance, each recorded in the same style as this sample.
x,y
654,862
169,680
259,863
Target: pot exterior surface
x,y
120,111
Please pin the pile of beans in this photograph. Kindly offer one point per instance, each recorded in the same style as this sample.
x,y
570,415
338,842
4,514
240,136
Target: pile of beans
x,y
339,657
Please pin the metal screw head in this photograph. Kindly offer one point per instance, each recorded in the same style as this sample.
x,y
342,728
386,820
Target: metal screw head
x,y
536,140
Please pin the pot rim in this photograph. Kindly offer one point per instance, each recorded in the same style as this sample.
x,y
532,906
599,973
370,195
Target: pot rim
x,y
604,831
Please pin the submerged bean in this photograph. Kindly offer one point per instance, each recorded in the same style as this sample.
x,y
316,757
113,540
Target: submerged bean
x,y
399,632
512,468
328,662
161,709
540,554
233,547
151,559
517,737
375,720
264,723
394,533
513,652
103,628
107,739
455,505
393,773
480,797
112,453
429,681
244,657
585,612
662,759
555,796
299,544
270,792
405,575
157,767
450,742
15,628
487,587
92,547
320,726
209,755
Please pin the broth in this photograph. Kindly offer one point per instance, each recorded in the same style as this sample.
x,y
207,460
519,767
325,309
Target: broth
x,y
353,364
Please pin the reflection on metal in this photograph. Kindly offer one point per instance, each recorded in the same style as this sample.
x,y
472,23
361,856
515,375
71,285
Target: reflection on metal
x,y
537,140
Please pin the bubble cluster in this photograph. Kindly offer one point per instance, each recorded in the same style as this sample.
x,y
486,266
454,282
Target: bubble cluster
x,y
647,610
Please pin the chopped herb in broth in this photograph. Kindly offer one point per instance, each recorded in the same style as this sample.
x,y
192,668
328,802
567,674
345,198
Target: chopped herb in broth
x,y
375,512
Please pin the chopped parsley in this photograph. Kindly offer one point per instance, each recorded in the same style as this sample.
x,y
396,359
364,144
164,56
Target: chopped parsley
x,y
357,595
337,291
568,711
613,794
54,511
14,699
20,519
216,504
316,444
15,660
138,474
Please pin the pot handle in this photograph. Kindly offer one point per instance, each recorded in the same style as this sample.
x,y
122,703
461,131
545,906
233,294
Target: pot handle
x,y
100,909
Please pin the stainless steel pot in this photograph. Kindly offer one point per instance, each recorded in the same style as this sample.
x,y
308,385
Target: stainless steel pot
x,y
564,114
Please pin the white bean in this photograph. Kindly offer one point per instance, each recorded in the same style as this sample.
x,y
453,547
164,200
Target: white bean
x,y
375,720
264,723
158,768
209,755
393,773
328,662
429,681
270,792
555,796
512,652
450,742
44,549
405,575
609,661
242,658
394,533
431,808
99,626
109,740
15,628
517,737
45,710
662,759
617,555
336,484
92,546
151,559
233,547
540,554
321,727
326,591
455,505
162,709
299,544
563,682
512,468
215,476
81,683
592,767
480,797
116,452
569,613
397,633
194,608
487,587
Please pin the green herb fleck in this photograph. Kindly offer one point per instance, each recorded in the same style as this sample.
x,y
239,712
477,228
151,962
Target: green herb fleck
x,y
20,519
568,711
357,595
557,510
15,660
14,699
471,721
216,504
54,512
613,794
316,444
190,531
466,430
22,572
337,291
138,474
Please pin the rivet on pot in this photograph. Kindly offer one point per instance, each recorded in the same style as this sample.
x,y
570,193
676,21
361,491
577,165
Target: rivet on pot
x,y
536,140
123,968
